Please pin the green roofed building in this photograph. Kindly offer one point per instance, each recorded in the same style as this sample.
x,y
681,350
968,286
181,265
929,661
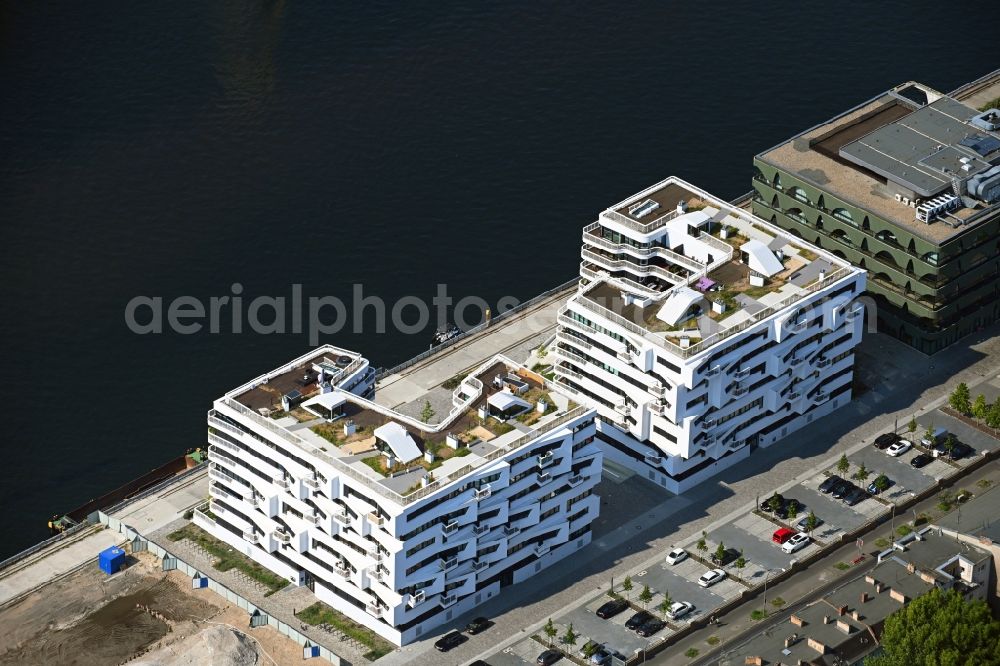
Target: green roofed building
x,y
906,186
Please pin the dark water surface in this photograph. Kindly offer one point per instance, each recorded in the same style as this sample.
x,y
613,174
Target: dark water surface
x,y
172,149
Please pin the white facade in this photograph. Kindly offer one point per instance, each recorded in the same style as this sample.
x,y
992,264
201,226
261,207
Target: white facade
x,y
397,556
690,356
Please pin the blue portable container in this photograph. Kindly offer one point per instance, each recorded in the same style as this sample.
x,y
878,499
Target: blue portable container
x,y
111,560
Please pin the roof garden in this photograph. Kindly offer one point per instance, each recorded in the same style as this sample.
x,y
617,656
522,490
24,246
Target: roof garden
x,y
765,270
405,457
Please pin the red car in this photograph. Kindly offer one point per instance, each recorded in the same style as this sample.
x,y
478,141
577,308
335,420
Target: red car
x,y
782,535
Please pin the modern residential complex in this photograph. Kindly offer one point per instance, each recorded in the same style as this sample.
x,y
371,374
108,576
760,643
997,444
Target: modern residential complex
x,y
398,523
700,332
846,625
906,186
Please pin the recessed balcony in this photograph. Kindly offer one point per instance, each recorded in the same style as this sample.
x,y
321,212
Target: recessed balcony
x,y
447,565
450,528
483,493
415,599
546,459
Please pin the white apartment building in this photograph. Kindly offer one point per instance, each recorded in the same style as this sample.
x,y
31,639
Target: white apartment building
x,y
700,332
399,524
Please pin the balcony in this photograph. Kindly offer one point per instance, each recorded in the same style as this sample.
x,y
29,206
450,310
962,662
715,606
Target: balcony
x,y
282,536
712,372
450,528
341,569
448,600
794,395
373,609
415,599
622,409
314,519
653,459
342,517
657,389
575,480
796,362
823,362
312,483
483,493
479,565
656,407
624,356
251,537
479,530
282,483
377,574
740,391
708,423
449,564
375,519
546,459
542,478
541,550
820,397
740,375
510,530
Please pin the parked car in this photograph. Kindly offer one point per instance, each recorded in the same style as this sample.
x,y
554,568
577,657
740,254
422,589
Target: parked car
x,y
638,620
477,626
829,483
959,450
795,542
873,487
710,578
601,657
785,509
651,627
611,608
921,460
781,535
803,524
480,662
885,441
936,438
676,555
449,641
765,506
855,496
842,489
548,657
679,609
728,556
899,448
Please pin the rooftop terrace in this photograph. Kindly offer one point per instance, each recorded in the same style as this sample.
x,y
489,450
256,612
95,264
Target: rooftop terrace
x,y
754,270
343,430
867,155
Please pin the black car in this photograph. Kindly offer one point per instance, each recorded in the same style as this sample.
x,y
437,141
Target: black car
x,y
785,509
885,441
829,483
855,496
611,608
639,619
730,555
480,662
477,626
448,641
921,460
548,657
651,627
767,504
842,489
959,451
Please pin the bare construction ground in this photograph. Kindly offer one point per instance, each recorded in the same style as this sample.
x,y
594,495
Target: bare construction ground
x,y
141,616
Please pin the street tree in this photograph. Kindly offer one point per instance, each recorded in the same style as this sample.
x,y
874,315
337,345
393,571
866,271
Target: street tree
x,y
862,473
793,510
627,587
912,425
993,415
939,628
645,596
569,638
664,606
740,562
590,649
720,552
550,631
882,483
980,408
843,464
427,413
949,442
774,503
960,399
702,544
811,522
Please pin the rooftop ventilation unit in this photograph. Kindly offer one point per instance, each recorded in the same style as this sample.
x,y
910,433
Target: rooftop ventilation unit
x,y
988,120
928,211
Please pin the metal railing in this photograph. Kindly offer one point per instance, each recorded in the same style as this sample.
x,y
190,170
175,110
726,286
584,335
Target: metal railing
x,y
655,251
643,228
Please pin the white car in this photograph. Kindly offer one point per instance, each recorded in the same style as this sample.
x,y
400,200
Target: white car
x,y
795,542
676,555
710,578
899,448
679,609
